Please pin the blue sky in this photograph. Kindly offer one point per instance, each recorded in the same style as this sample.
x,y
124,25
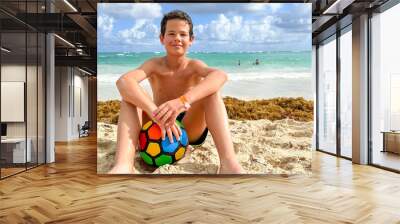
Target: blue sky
x,y
218,27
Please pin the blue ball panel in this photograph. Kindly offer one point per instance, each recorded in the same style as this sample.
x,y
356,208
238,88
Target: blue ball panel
x,y
168,147
184,138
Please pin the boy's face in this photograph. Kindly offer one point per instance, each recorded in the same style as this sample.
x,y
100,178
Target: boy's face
x,y
176,39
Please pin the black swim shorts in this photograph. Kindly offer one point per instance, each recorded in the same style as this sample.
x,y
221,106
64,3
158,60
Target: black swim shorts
x,y
203,136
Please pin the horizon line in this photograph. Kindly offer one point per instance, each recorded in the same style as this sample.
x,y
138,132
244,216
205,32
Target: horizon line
x,y
159,52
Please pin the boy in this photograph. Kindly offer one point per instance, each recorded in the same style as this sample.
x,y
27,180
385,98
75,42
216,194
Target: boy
x,y
183,88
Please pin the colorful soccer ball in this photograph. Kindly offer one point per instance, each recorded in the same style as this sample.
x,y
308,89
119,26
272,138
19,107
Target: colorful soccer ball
x,y
157,152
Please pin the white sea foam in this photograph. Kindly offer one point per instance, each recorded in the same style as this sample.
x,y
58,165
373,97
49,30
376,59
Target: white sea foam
x,y
108,78
272,75
248,76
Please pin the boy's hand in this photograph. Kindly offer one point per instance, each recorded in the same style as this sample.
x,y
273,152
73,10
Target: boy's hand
x,y
167,112
171,130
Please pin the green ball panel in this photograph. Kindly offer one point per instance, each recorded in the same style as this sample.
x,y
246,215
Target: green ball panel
x,y
163,159
180,124
147,159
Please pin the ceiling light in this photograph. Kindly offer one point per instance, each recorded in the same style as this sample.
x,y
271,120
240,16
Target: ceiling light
x,y
86,72
338,6
79,51
5,49
70,5
64,40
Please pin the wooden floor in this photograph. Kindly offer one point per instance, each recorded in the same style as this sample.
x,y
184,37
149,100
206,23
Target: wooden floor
x,y
10,171
387,159
70,191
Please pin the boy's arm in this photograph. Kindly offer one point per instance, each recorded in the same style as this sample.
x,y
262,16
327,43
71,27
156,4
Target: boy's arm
x,y
213,81
132,92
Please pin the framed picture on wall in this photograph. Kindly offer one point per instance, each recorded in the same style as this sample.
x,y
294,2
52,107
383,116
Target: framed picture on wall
x,y
204,88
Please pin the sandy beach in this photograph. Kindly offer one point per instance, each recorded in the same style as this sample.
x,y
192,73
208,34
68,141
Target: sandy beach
x,y
262,146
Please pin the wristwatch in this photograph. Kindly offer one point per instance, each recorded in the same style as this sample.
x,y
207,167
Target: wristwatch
x,y
185,102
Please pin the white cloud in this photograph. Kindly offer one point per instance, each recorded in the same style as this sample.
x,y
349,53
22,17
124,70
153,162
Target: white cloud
x,y
275,6
240,27
260,7
255,7
141,15
230,8
130,10
105,24
236,29
142,29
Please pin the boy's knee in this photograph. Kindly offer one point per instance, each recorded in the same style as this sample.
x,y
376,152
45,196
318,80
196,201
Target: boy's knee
x,y
126,104
213,97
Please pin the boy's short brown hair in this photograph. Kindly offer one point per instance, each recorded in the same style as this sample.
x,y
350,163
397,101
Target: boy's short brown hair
x,y
176,14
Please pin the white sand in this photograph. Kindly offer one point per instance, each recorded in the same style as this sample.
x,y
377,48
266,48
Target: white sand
x,y
261,146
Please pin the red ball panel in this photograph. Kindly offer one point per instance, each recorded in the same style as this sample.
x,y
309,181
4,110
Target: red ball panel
x,y
154,132
142,141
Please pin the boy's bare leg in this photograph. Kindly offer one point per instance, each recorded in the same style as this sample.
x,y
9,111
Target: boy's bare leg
x,y
210,111
129,125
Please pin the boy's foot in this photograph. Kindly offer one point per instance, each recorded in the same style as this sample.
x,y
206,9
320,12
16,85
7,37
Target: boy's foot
x,y
121,170
235,168
186,157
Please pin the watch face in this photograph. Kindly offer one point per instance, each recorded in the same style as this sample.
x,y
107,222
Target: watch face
x,y
187,106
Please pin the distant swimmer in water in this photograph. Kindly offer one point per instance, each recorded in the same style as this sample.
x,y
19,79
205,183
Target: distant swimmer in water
x,y
257,62
239,62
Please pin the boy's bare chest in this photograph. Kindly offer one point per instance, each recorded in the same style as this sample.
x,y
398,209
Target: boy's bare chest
x,y
177,78
168,85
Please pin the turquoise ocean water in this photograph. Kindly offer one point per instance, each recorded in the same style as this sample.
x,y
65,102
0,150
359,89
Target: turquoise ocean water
x,y
279,74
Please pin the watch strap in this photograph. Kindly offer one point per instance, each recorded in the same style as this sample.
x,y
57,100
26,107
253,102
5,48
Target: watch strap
x,y
185,102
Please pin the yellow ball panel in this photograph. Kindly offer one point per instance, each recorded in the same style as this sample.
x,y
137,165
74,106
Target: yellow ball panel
x,y
153,149
147,125
179,154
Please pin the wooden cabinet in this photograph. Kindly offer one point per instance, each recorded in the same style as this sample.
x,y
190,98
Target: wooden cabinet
x,y
391,141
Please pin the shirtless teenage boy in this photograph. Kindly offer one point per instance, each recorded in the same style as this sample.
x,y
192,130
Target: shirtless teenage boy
x,y
183,88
